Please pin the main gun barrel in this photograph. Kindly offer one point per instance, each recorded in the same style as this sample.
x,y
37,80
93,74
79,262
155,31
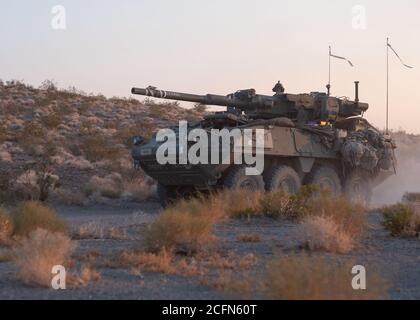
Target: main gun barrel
x,y
209,99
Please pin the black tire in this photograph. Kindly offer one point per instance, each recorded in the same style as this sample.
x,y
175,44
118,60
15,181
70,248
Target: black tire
x,y
282,177
166,195
358,187
327,178
236,179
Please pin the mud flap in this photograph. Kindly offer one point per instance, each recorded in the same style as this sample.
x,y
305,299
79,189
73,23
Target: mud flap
x,y
306,164
381,177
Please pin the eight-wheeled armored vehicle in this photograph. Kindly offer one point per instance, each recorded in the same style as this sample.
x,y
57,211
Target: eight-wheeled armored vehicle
x,y
309,138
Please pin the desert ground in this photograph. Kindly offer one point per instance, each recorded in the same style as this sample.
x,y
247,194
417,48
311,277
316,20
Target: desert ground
x,y
396,260
69,195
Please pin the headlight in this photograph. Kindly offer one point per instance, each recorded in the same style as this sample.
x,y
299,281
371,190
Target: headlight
x,y
138,141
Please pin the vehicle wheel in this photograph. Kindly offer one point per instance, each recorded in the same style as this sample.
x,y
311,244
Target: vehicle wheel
x,y
327,178
166,195
358,187
236,179
282,177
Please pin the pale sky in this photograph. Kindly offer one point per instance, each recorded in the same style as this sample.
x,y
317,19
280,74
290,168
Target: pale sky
x,y
218,46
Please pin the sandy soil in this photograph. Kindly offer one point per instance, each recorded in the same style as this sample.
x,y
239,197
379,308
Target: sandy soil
x,y
397,260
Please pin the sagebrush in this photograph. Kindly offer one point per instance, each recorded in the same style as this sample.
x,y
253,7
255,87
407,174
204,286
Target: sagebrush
x,y
32,215
38,253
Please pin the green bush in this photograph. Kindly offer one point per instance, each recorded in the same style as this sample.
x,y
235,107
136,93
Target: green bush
x,y
276,204
305,202
412,197
32,215
399,219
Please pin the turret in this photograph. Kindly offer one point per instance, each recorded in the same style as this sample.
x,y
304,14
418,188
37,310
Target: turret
x,y
301,108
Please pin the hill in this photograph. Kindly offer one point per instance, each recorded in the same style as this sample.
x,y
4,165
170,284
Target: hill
x,y
75,143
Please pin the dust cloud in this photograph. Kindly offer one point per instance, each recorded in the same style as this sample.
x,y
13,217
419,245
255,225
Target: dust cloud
x,y
408,171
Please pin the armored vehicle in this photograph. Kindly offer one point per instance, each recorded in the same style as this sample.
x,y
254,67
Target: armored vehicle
x,y
309,138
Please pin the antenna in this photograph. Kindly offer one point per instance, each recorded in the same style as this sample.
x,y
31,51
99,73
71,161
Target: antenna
x,y
329,73
356,89
387,85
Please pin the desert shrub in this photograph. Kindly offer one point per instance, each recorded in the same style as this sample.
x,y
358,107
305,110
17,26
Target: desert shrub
x,y
49,149
97,230
199,107
110,124
6,227
280,204
401,220
5,255
227,260
37,182
14,83
138,189
144,129
52,120
311,201
90,230
31,130
46,180
254,237
86,275
323,233
333,224
239,204
186,226
162,110
161,261
25,187
74,148
302,277
83,108
233,284
114,186
32,138
411,197
97,147
350,216
306,201
70,197
32,215
5,187
38,253
109,187
48,85
63,107
3,133
276,204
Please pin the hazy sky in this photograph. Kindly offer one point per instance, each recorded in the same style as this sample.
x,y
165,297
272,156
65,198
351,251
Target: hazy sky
x,y
218,46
